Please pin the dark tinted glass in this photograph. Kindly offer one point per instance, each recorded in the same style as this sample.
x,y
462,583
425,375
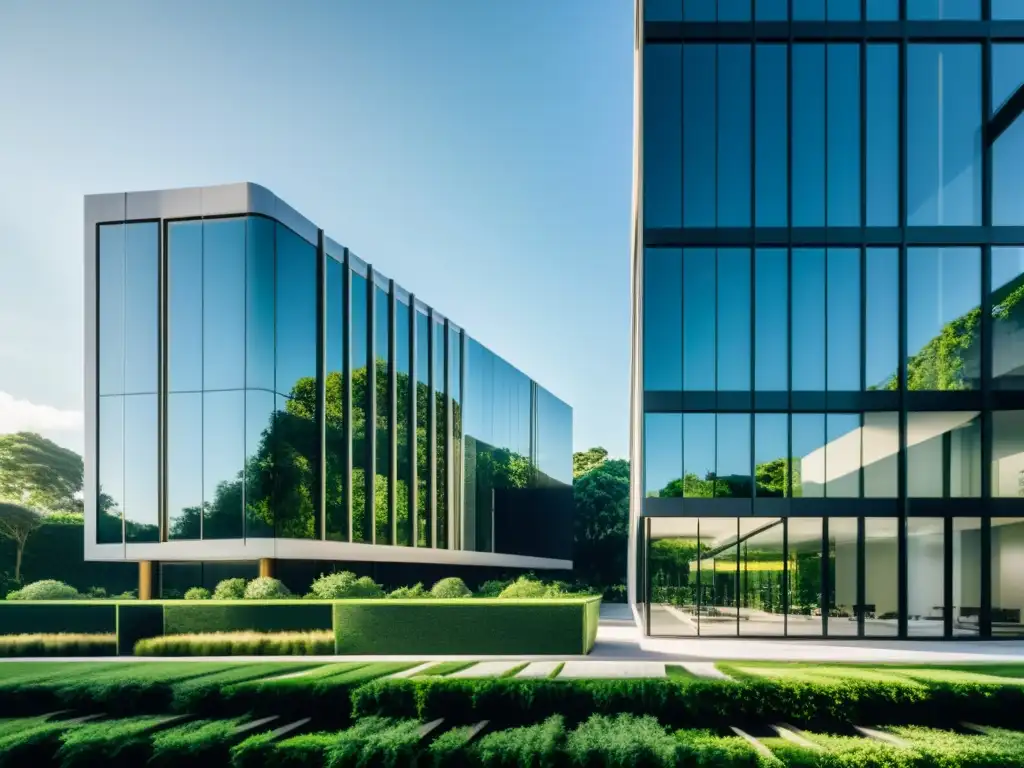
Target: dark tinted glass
x,y
843,320
699,455
334,501
732,464
771,10
944,134
224,304
141,293
882,137
663,149
259,475
943,318
733,328
403,481
663,319
259,303
296,447
441,384
699,294
1008,150
184,465
844,10
808,10
111,310
110,504
843,138
663,454
455,403
771,142
423,441
924,10
1007,332
381,342
771,454
807,332
699,111
733,144
663,10
141,469
296,312
808,129
881,323
808,455
700,10
734,10
883,10
771,355
360,400
185,306
223,462
554,440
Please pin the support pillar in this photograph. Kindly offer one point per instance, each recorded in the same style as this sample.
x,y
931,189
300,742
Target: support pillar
x,y
148,589
267,567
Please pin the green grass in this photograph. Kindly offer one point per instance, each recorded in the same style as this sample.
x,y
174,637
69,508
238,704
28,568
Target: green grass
x,y
986,674
442,668
514,671
557,670
677,672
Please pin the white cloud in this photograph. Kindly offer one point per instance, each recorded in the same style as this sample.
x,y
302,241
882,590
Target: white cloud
x,y
23,416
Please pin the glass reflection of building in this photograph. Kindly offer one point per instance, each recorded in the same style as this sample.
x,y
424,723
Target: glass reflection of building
x,y
828,350
258,392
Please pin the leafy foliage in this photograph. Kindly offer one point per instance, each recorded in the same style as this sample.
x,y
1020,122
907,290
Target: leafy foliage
x,y
601,523
524,588
266,588
414,592
585,461
492,588
229,589
197,593
39,473
344,584
451,587
47,589
17,523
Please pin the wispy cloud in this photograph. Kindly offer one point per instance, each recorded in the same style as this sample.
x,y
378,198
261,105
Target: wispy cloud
x,y
24,416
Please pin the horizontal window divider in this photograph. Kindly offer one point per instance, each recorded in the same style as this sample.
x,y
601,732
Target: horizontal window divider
x,y
833,31
822,237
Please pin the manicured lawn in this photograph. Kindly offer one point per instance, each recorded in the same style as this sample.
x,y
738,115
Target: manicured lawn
x,y
442,668
981,673
676,672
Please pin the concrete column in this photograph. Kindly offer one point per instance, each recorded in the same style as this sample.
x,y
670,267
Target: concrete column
x,y
267,567
147,579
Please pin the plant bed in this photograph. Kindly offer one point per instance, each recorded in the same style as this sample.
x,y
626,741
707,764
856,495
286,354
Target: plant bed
x,y
239,644
58,644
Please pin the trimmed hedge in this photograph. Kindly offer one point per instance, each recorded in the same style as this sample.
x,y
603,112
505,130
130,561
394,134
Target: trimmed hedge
x,y
466,626
137,621
235,616
58,645
51,617
239,644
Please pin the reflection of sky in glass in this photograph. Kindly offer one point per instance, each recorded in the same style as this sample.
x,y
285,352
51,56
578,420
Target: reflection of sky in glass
x,y
140,466
335,342
185,306
224,304
942,285
296,310
1007,9
843,141
771,355
111,310
808,129
733,328
925,10
663,72
699,319
843,364
882,134
699,135
808,317
883,10
140,307
698,444
663,450
733,445
663,319
259,324
733,144
771,140
881,347
771,10
1008,151
358,332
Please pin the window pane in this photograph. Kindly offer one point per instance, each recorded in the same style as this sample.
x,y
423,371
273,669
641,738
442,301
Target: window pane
x,y
423,444
440,398
843,320
734,10
111,310
1008,454
185,306
718,576
381,340
843,139
663,454
141,493
771,355
881,347
296,311
733,136
966,575
843,455
663,133
771,10
223,462
926,567
1007,9
224,304
663,10
943,454
360,400
924,10
771,122
808,455
761,567
699,10
1008,150
733,320
842,576
844,10
699,191
663,319
699,319
296,444
880,451
883,10
141,292
882,135
334,500
771,454
260,454
110,503
404,394
808,318
732,468
809,10
672,572
455,403
944,135
699,455
1007,336
184,465
880,573
808,135
804,576
943,318
1006,565
259,303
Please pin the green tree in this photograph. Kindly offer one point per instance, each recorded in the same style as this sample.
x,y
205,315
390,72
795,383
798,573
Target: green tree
x,y
39,473
17,523
601,523
584,461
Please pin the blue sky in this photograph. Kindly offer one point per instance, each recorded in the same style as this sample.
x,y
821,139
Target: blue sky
x,y
477,151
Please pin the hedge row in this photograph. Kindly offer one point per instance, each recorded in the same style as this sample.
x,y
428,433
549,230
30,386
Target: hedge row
x,y
238,644
62,644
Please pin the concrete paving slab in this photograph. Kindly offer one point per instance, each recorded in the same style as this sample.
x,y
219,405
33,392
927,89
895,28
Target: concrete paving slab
x,y
540,669
704,669
612,669
487,669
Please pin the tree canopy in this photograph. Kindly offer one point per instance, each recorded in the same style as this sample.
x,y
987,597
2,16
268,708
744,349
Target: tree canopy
x,y
36,472
601,522
584,461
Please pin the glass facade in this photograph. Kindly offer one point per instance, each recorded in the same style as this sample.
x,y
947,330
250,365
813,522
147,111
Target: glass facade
x,y
828,370
235,402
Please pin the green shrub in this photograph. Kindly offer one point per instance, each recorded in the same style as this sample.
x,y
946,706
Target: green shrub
x,y
492,588
533,745
58,645
705,748
197,593
449,748
195,616
344,584
35,745
451,588
229,589
416,592
524,588
131,594
375,741
205,694
47,589
96,593
266,588
111,744
239,644
623,741
200,742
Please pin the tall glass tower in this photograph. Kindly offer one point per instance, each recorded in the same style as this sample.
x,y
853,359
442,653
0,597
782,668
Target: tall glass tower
x,y
828,352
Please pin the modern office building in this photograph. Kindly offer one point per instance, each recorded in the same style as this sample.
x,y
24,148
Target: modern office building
x,y
256,393
828,337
